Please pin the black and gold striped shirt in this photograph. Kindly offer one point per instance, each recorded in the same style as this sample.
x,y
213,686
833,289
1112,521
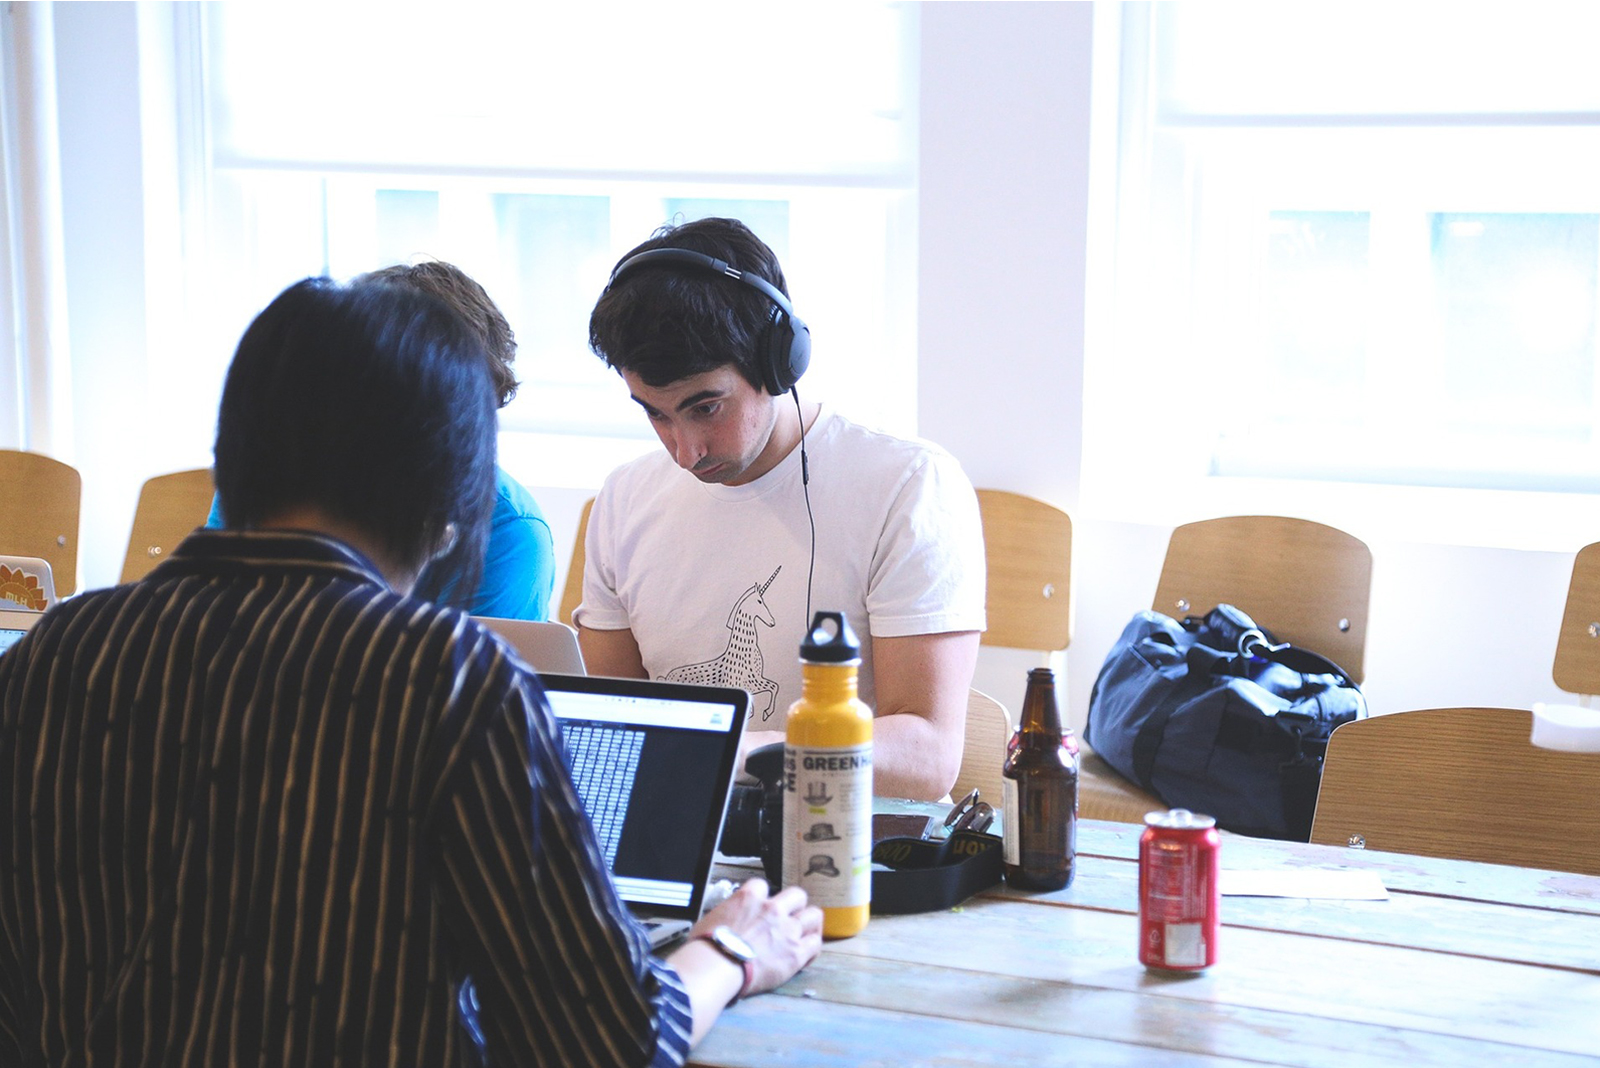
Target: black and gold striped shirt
x,y
258,809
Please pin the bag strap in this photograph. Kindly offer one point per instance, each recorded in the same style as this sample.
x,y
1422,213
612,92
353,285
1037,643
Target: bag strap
x,y
1254,644
928,876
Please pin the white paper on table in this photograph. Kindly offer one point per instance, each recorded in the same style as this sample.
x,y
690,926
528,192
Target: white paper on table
x,y
1304,882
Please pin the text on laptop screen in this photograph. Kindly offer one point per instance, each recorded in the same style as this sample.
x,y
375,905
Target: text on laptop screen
x,y
8,638
652,774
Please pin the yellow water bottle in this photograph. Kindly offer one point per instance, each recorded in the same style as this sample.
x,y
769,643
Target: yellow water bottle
x,y
827,799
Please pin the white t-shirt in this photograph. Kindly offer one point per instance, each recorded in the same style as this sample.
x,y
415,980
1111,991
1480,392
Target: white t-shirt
x,y
712,579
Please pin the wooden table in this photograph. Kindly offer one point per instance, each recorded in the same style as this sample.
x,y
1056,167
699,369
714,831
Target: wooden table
x,y
1464,964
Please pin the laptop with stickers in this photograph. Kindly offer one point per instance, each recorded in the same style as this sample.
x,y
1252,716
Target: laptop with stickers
x,y
26,582
653,763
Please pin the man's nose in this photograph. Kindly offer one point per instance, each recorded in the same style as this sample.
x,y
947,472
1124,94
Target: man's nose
x,y
687,450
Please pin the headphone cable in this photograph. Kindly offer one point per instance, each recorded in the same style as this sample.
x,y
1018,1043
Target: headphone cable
x,y
805,487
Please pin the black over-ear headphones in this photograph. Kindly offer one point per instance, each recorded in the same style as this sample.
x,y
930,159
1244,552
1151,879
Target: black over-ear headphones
x,y
785,349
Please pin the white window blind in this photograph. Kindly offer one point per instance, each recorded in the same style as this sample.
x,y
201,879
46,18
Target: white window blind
x,y
533,144
775,90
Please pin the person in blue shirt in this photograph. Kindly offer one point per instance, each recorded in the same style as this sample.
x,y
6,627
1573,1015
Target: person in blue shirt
x,y
517,572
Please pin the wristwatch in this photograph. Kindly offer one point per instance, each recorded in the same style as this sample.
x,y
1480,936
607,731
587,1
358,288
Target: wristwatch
x,y
728,942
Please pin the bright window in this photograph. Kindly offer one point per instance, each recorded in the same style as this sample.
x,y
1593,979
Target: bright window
x,y
1357,268
505,139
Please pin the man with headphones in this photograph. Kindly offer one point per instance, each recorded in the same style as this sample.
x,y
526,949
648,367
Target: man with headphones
x,y
706,561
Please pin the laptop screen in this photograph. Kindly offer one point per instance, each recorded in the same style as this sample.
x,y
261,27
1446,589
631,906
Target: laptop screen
x,y
9,637
653,763
14,624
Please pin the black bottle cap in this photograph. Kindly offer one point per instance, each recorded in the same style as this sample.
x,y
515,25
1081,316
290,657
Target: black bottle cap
x,y
830,641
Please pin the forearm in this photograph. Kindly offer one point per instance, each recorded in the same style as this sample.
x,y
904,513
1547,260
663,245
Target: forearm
x,y
781,931
711,979
912,758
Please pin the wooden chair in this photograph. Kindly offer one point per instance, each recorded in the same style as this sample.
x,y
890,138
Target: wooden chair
x,y
988,732
1028,548
1307,583
40,499
1464,783
572,591
170,507
1577,663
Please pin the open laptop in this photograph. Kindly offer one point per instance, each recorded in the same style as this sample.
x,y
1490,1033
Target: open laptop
x,y
14,624
545,646
653,763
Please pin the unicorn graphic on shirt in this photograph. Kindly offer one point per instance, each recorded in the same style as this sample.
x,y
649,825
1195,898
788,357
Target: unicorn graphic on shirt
x,y
740,664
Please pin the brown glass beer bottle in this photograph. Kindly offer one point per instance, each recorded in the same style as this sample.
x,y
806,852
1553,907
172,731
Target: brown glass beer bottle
x,y
1041,793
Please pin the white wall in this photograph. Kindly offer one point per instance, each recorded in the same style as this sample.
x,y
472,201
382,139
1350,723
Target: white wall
x,y
1003,226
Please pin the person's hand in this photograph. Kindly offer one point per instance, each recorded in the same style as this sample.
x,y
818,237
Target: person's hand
x,y
784,931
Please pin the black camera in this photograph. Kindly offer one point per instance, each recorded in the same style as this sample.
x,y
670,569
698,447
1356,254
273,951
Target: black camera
x,y
753,826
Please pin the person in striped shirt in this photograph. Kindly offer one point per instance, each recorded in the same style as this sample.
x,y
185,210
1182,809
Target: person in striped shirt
x,y
265,807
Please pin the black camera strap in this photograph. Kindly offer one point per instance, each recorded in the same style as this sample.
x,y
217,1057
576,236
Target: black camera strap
x,y
926,875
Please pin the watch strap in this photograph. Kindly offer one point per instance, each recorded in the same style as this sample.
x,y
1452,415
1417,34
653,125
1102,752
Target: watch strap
x,y
747,965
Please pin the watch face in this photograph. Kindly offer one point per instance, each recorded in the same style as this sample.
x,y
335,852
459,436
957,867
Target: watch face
x,y
733,944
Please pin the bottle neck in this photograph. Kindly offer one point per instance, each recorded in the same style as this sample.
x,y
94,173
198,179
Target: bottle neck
x,y
1040,714
828,682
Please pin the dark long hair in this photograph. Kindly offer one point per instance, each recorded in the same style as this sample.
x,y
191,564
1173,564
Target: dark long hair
x,y
371,401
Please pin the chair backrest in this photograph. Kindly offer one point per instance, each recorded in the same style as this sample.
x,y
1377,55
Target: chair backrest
x,y
572,591
1028,547
983,755
1307,583
170,507
1464,783
39,503
1577,663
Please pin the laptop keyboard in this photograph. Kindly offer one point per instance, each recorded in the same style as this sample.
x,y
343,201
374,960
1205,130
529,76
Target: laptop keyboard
x,y
603,760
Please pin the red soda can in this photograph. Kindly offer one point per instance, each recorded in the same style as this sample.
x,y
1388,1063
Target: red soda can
x,y
1179,894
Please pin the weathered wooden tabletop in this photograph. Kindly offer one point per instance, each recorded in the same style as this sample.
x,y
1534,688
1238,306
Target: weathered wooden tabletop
x,y
1464,964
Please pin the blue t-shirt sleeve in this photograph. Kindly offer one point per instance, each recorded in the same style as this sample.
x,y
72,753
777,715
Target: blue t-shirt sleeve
x,y
519,565
518,569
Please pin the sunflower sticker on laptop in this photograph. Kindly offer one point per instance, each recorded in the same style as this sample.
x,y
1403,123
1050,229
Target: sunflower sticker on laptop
x,y
20,588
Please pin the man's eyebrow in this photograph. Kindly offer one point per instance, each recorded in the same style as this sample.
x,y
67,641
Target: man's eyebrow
x,y
688,402
698,398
